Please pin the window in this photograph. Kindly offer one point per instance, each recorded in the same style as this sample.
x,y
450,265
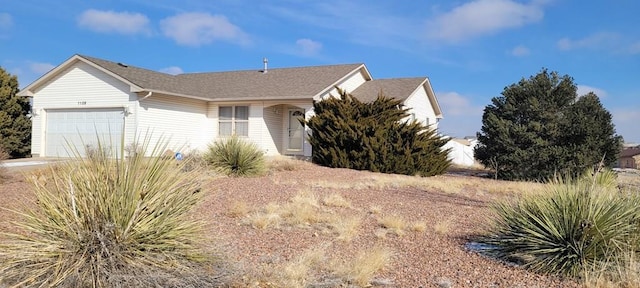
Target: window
x,y
234,120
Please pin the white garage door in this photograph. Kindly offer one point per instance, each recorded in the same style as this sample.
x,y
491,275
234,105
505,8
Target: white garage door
x,y
81,128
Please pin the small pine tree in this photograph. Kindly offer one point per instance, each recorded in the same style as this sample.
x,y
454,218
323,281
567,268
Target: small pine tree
x,y
15,125
348,133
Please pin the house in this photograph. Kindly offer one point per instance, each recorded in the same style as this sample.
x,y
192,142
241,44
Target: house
x,y
629,158
86,96
461,151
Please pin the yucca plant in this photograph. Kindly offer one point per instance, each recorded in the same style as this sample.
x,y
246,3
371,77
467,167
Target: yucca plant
x,y
604,178
237,157
103,222
572,226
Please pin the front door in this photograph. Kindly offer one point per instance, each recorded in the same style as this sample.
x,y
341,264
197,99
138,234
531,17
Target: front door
x,y
296,130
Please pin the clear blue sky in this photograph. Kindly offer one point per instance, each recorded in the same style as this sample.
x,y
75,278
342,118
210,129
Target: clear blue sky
x,y
470,49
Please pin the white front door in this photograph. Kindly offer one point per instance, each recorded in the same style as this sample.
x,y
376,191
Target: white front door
x,y
296,130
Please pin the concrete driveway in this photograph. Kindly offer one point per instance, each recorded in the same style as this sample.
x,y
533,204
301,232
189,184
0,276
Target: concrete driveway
x,y
25,164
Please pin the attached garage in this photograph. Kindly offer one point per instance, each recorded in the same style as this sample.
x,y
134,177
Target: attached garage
x,y
80,128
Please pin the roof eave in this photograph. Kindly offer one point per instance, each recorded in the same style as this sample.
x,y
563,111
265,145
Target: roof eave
x,y
280,98
361,67
432,98
226,99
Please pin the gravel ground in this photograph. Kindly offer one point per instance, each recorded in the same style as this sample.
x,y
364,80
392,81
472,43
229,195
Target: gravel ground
x,y
435,257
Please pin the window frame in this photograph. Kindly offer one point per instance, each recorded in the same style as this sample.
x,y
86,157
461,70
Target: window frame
x,y
233,120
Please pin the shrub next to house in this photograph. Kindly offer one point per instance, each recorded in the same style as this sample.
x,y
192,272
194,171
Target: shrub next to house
x,y
374,136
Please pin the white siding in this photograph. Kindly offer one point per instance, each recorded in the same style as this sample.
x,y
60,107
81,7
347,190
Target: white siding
x,y
348,84
267,124
181,121
419,104
211,128
79,87
258,132
273,133
461,154
256,125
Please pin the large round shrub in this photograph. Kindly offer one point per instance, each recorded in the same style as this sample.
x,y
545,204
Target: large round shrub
x,y
374,136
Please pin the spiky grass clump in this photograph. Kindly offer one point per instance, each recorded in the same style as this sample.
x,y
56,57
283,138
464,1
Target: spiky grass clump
x,y
105,222
361,269
571,227
394,224
237,157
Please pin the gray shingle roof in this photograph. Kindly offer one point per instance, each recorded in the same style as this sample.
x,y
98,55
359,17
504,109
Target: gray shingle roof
x,y
290,83
399,88
144,78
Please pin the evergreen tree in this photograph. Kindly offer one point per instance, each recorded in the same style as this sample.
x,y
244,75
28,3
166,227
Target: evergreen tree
x,y
15,125
348,133
539,127
589,129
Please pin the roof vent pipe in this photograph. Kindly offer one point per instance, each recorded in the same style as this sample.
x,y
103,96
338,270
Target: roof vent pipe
x,y
265,61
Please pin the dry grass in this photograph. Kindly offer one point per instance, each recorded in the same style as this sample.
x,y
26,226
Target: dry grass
x,y
629,179
418,226
302,214
347,228
381,233
336,200
260,220
375,209
303,270
238,209
394,224
446,184
624,273
295,273
271,208
306,197
442,227
282,163
364,266
302,210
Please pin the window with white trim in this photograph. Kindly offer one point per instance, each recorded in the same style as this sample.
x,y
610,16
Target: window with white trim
x,y
233,120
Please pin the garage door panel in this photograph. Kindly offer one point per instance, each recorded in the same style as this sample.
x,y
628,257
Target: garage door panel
x,y
80,128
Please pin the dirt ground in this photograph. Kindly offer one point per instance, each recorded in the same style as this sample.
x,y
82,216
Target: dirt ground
x,y
424,223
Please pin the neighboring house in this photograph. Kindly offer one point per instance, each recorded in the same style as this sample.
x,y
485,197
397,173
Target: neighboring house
x,y
461,152
629,158
85,96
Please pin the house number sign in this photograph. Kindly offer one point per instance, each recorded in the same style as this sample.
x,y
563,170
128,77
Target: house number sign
x,y
80,103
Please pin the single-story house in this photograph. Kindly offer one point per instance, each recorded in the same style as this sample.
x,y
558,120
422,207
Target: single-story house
x,y
462,151
629,158
86,96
